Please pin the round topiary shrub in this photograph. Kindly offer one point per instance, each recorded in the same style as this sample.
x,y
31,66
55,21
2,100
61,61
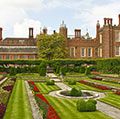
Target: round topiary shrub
x,y
86,106
72,82
75,92
90,106
82,69
81,105
50,82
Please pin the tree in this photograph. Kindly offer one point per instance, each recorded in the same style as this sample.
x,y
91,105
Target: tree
x,y
51,44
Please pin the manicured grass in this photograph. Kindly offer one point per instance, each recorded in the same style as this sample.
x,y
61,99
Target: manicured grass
x,y
45,89
30,76
112,99
66,109
106,83
84,87
18,106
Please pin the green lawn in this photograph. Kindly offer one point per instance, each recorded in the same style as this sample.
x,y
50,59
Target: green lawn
x,y
18,106
45,89
66,109
112,99
83,87
30,76
106,83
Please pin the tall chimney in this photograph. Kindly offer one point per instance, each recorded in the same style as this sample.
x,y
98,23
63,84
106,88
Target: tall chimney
x,y
105,21
119,19
44,30
0,33
110,21
77,33
97,27
30,32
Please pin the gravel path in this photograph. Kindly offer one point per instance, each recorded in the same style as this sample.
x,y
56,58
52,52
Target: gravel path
x,y
105,108
34,107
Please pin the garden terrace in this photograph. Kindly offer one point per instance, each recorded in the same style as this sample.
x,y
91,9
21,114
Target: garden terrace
x,y
18,106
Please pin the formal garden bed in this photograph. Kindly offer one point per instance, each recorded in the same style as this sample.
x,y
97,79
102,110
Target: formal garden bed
x,y
5,92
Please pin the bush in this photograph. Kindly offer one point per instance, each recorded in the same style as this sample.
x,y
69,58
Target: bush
x,y
82,69
42,69
12,71
75,92
93,101
72,82
50,82
86,106
87,71
90,106
81,105
63,71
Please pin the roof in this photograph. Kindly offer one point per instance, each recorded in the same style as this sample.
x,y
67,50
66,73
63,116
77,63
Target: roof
x,y
18,42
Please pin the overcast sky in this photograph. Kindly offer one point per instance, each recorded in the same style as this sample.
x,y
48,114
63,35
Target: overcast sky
x,y
16,16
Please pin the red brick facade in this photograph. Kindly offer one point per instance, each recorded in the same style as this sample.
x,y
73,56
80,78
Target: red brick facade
x,y
105,45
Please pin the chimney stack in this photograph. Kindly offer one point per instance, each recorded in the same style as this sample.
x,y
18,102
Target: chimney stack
x,y
105,21
54,31
77,33
119,19
0,34
97,27
30,32
44,30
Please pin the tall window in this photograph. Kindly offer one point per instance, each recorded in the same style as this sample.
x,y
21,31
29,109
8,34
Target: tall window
x,y
89,52
7,57
117,36
117,51
15,56
100,51
100,38
83,52
72,52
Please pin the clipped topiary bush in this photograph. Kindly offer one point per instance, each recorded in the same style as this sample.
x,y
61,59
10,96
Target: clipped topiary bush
x,y
93,101
50,82
82,69
86,106
90,106
13,71
63,71
42,69
72,82
75,92
87,71
81,105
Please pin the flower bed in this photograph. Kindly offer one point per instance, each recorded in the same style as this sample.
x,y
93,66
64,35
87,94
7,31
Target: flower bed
x,y
2,110
5,92
33,86
96,85
47,110
8,87
117,92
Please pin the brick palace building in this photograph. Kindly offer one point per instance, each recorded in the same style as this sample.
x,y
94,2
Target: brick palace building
x,y
105,45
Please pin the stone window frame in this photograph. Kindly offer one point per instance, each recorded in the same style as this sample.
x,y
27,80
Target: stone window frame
x,y
90,51
71,52
118,50
84,52
101,38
